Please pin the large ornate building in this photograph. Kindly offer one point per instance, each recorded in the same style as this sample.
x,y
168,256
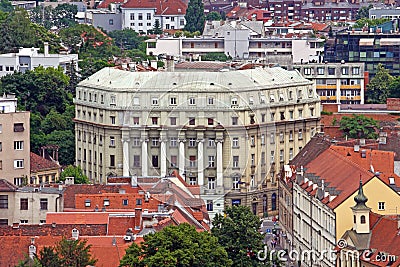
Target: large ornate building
x,y
228,131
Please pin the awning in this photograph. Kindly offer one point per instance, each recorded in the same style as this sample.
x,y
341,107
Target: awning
x,y
366,41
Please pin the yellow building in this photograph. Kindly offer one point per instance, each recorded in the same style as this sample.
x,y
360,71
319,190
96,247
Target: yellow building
x,y
44,170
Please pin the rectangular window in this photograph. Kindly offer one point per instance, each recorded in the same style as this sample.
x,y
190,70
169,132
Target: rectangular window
x,y
1,146
112,119
87,203
235,142
154,101
321,70
381,205
211,183
154,161
174,160
211,101
253,159
281,154
125,202
148,16
234,101
23,204
3,221
192,121
172,101
19,127
356,70
136,101
138,201
235,161
192,180
345,70
18,145
106,202
236,182
112,160
272,156
210,121
192,101
211,161
211,142
136,141
140,16
192,142
112,141
307,71
3,202
132,16
173,142
234,120
136,121
18,163
290,153
154,141
300,133
192,161
272,138
172,121
210,205
136,161
262,139
43,204
154,120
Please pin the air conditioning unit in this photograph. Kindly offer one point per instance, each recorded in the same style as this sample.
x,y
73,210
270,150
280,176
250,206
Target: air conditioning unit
x,y
128,238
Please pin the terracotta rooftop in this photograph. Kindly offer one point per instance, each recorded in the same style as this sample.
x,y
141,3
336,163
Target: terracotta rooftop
x,y
163,7
39,163
6,186
311,150
106,3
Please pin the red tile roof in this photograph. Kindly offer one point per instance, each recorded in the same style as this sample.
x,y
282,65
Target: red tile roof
x,y
39,163
163,7
77,217
6,186
385,234
340,173
106,3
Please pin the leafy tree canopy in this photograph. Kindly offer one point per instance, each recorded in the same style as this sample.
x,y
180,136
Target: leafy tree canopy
x,y
195,16
363,12
369,22
359,126
213,16
66,253
6,6
394,87
215,56
76,172
62,16
177,246
127,39
237,231
378,88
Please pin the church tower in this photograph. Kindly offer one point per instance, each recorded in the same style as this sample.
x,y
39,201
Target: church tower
x,y
361,213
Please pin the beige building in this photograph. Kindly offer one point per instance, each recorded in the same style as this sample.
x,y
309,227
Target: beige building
x,y
226,131
28,205
341,83
14,141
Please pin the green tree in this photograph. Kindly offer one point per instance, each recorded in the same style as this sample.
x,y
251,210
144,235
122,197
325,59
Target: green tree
x,y
215,56
213,16
6,6
363,12
195,16
238,232
127,39
359,126
64,16
378,88
76,172
157,27
177,246
67,253
369,22
394,88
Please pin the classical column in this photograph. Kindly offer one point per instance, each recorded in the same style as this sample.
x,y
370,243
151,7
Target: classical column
x,y
182,157
163,156
200,162
144,155
220,172
125,154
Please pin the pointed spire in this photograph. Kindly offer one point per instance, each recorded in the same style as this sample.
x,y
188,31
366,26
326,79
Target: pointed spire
x,y
360,198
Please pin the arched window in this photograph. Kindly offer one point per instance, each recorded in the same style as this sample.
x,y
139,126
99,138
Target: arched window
x,y
362,219
254,206
273,201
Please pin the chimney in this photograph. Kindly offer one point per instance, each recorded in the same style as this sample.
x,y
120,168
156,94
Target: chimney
x,y
170,63
134,181
138,219
46,49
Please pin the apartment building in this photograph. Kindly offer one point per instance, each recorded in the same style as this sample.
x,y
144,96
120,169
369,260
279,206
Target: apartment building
x,y
226,131
30,58
341,83
14,141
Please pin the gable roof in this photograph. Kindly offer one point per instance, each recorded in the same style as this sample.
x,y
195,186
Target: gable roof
x,y
163,7
106,3
39,163
311,150
6,186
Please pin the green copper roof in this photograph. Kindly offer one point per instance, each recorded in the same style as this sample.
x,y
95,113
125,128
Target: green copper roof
x,y
360,198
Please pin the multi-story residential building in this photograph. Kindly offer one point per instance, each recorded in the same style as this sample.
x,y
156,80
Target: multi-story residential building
x,y
241,42
323,196
142,15
283,10
226,131
109,20
341,83
388,13
342,11
28,205
29,58
14,141
370,48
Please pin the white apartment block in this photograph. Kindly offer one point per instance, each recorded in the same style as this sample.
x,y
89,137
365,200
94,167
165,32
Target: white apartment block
x,y
29,59
142,15
341,83
229,132
14,141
